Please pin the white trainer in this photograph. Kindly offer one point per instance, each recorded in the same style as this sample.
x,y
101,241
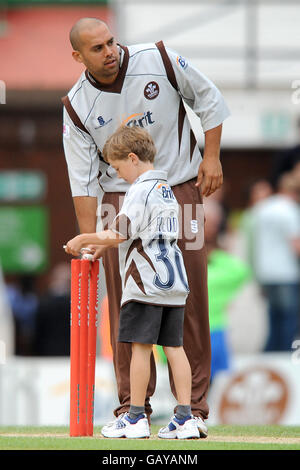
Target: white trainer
x,y
201,426
124,426
180,429
107,429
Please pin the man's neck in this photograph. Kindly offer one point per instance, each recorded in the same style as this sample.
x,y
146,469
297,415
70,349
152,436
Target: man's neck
x,y
103,80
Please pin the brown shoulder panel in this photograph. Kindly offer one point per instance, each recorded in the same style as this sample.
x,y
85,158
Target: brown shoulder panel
x,y
72,113
167,63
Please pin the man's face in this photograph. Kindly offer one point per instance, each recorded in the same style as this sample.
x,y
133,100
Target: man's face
x,y
99,53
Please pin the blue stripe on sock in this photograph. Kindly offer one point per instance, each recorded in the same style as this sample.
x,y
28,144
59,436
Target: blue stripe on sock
x,y
134,421
182,421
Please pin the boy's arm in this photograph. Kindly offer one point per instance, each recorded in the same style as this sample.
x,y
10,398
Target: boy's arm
x,y
106,238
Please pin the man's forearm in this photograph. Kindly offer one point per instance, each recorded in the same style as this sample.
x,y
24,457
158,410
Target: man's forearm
x,y
212,143
86,213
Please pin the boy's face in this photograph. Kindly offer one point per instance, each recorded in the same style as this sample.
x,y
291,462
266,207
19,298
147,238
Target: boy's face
x,y
126,168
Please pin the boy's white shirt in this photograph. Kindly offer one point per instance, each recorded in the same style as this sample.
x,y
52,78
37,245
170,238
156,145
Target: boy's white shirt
x,y
151,264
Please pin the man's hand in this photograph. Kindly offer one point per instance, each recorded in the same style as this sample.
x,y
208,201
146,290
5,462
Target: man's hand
x,y
97,251
210,175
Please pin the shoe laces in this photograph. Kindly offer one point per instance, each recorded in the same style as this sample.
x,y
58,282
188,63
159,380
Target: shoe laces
x,y
115,421
120,423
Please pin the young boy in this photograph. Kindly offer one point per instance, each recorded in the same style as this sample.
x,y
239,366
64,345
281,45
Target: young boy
x,y
154,280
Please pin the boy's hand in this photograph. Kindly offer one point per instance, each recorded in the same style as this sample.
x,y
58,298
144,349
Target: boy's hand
x,y
74,246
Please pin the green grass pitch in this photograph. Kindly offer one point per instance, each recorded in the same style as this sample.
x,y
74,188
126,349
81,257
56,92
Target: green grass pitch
x,y
219,438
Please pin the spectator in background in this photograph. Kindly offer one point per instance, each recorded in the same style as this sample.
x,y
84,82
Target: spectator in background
x,y
225,276
52,332
296,172
276,250
23,301
257,191
286,160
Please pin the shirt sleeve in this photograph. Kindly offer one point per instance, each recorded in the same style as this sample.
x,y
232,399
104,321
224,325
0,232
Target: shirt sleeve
x,y
199,92
81,158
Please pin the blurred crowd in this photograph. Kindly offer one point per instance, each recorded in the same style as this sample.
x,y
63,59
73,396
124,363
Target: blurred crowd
x,y
40,322
258,247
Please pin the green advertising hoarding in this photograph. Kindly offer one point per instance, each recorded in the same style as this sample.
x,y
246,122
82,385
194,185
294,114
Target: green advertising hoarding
x,y
23,239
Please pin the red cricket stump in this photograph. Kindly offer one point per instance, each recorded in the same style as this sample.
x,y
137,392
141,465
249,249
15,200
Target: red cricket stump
x,y
84,318
92,342
74,347
84,301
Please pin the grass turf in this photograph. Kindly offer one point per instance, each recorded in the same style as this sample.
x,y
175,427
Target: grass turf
x,y
220,438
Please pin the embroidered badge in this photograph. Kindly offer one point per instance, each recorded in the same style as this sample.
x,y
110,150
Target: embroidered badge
x,y
151,90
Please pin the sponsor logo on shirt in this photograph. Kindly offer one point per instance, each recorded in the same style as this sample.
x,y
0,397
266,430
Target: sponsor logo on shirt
x,y
182,62
102,122
166,191
151,90
139,119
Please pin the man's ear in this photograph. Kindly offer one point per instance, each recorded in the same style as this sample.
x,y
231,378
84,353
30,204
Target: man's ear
x,y
77,56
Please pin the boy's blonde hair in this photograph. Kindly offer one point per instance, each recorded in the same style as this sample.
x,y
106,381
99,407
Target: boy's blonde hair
x,y
129,139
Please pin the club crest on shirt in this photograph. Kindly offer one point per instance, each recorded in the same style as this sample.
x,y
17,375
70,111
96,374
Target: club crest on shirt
x,y
151,90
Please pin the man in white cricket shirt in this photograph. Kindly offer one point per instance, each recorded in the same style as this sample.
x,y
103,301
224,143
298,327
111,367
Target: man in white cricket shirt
x,y
145,85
